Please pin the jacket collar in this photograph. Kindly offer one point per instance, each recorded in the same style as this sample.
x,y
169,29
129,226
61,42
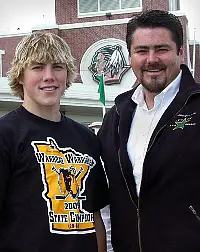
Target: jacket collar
x,y
187,87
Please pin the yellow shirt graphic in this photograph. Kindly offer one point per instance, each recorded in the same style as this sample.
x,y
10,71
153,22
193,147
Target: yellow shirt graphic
x,y
64,174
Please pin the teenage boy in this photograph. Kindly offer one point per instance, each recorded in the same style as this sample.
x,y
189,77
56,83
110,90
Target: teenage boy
x,y
52,183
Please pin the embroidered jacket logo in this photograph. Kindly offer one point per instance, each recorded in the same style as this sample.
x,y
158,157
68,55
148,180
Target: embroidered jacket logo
x,y
183,120
64,175
180,123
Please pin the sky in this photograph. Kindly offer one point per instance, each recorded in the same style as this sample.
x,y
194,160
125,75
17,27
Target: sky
x,y
22,15
190,8
25,14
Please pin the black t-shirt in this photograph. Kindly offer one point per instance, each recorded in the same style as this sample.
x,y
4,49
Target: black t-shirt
x,y
51,182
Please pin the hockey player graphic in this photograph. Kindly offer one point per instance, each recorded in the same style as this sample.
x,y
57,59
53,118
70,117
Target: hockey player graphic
x,y
67,181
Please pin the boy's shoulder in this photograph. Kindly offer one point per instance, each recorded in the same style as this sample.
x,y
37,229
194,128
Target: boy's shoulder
x,y
10,120
12,115
80,128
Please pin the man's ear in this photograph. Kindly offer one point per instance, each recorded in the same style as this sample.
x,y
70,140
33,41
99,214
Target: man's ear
x,y
181,55
129,60
181,51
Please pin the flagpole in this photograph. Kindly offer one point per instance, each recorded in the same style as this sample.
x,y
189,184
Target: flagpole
x,y
103,105
104,110
101,92
194,51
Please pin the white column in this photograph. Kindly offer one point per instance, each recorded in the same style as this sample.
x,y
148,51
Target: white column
x,y
1,64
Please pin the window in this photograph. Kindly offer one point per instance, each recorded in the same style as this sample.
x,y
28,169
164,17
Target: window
x,y
174,5
104,6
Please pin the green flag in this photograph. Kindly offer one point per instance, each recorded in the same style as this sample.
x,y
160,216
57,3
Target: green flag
x,y
101,89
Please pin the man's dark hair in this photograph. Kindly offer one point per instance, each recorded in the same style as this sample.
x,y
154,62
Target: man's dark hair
x,y
154,19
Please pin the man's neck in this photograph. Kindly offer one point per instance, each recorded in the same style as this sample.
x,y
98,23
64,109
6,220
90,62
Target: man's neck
x,y
149,98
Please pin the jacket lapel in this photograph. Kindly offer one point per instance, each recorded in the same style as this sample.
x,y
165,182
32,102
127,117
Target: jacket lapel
x,y
126,116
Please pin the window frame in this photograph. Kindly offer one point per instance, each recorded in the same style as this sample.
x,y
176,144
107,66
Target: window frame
x,y
103,13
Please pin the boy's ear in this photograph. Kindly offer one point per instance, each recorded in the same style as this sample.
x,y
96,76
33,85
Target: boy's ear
x,y
21,80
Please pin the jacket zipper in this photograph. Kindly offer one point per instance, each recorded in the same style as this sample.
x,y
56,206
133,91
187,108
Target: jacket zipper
x,y
138,207
138,219
194,212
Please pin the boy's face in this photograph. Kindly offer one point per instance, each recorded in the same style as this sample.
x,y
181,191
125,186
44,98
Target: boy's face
x,y
44,85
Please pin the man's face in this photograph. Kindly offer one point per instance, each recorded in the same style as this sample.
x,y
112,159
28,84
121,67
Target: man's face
x,y
44,85
154,58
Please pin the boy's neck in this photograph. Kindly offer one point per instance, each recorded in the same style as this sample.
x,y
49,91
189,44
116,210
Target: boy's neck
x,y
48,113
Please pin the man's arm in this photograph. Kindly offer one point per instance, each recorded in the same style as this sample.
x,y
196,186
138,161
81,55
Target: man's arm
x,y
100,232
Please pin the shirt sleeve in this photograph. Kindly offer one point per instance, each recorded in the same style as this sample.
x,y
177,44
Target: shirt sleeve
x,y
100,192
98,186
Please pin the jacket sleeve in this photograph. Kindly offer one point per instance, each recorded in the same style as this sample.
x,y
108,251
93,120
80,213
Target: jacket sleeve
x,y
107,135
107,125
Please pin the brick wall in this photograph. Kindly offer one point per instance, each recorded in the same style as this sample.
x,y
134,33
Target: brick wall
x,y
8,44
80,39
67,11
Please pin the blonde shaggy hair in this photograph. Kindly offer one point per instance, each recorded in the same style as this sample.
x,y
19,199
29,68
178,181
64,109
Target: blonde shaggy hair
x,y
42,48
